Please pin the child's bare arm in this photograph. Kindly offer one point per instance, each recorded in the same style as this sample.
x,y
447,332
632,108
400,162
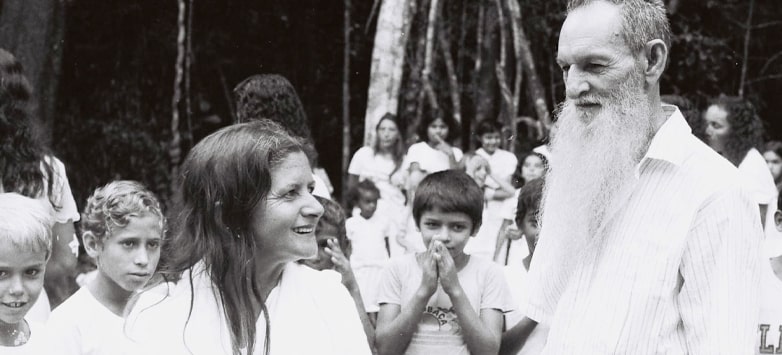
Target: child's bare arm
x,y
342,265
514,338
481,333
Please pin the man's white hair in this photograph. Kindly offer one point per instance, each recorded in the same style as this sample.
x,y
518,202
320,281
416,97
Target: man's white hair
x,y
642,21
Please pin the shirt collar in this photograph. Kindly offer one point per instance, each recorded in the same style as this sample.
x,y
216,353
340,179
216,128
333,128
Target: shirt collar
x,y
667,142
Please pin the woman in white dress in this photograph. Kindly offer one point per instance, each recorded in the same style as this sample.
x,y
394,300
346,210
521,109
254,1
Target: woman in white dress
x,y
734,129
245,214
381,163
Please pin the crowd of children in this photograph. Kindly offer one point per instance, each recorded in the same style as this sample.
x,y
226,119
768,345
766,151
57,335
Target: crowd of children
x,y
433,247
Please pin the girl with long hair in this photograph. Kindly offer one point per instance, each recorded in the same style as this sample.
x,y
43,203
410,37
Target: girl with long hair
x,y
381,163
245,213
28,168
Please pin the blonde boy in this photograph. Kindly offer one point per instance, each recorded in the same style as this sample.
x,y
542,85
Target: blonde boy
x,y
122,231
25,247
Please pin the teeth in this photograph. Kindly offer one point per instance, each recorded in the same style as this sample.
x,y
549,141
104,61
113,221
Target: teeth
x,y
15,304
303,230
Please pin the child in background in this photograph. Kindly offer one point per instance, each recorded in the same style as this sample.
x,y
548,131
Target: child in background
x,y
511,249
25,247
478,168
524,329
368,233
770,320
122,230
442,301
334,251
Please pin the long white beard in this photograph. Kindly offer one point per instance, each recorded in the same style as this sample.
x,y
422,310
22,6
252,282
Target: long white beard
x,y
594,158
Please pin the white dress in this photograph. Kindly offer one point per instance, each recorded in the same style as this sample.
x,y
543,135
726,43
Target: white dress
x,y
309,314
377,168
760,184
429,159
369,255
502,164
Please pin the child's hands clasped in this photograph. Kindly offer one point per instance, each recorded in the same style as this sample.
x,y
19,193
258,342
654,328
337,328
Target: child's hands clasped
x,y
438,267
446,269
428,261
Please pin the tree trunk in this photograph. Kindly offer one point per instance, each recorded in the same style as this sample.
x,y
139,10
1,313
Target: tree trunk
x,y
33,30
388,59
453,80
428,91
486,77
175,146
346,102
747,37
506,112
535,90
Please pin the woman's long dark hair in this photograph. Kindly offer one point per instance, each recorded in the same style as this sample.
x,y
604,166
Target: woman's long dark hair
x,y
398,150
223,178
746,128
23,163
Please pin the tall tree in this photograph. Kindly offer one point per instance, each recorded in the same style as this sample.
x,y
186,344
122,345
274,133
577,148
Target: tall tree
x,y
388,59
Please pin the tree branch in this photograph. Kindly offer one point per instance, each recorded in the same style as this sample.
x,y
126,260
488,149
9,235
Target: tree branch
x,y
763,78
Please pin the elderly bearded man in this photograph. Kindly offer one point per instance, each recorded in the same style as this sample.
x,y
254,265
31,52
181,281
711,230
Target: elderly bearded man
x,y
648,244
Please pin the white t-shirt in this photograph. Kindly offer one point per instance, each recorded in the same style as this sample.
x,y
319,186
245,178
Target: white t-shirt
x,y
377,168
36,344
502,163
770,320
81,325
760,184
310,313
439,331
517,281
429,159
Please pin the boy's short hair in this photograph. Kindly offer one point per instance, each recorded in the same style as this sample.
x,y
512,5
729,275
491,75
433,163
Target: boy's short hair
x,y
487,126
334,215
355,192
529,199
26,222
449,191
112,205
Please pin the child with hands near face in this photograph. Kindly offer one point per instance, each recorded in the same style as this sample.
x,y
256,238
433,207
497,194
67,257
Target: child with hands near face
x,y
442,301
334,250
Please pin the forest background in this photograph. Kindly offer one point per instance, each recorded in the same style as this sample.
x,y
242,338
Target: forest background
x,y
124,88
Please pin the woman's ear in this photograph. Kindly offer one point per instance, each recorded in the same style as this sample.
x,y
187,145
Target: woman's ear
x,y
92,244
656,55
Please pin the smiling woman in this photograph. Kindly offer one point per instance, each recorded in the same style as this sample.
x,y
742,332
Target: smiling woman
x,y
245,213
